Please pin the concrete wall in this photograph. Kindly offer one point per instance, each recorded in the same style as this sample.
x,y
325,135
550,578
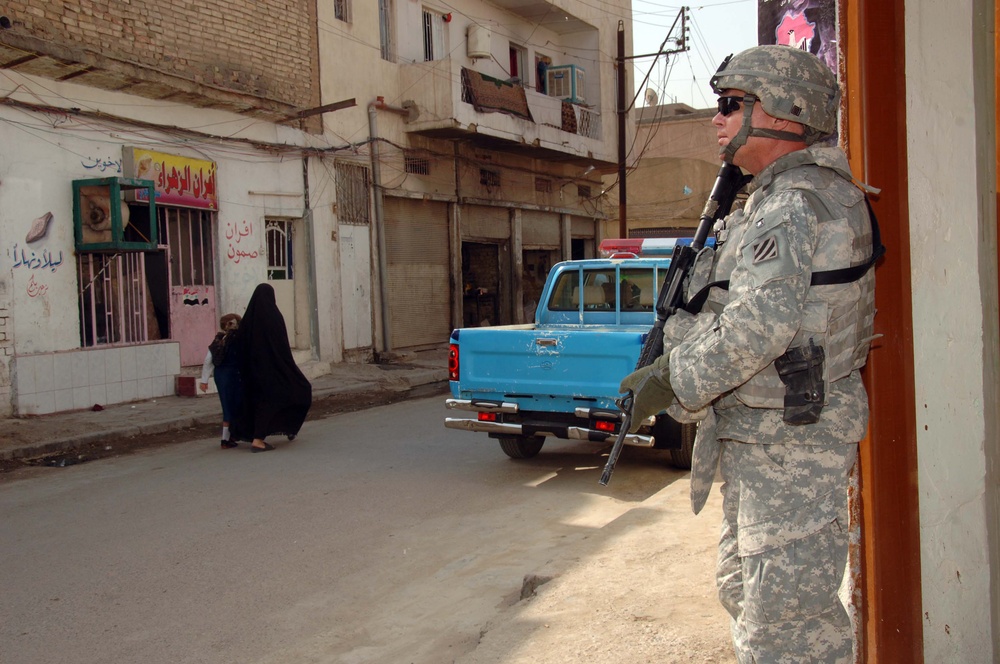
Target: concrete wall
x,y
951,123
678,163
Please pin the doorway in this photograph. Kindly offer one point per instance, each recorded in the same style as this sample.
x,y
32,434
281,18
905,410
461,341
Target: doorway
x,y
480,284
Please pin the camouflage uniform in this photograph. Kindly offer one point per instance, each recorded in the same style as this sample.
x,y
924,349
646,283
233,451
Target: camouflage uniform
x,y
783,548
785,452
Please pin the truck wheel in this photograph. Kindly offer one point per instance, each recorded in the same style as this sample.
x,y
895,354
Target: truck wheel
x,y
521,447
670,433
682,458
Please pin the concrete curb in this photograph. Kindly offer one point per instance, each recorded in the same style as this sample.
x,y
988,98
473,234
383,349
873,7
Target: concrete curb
x,y
63,432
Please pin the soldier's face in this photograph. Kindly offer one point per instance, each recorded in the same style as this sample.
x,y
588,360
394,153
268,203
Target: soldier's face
x,y
754,154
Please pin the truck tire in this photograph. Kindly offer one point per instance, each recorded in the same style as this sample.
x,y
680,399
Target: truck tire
x,y
676,439
521,447
681,458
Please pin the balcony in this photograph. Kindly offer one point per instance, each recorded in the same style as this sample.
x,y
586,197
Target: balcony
x,y
451,101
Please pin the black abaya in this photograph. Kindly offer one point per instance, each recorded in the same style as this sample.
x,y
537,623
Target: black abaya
x,y
276,395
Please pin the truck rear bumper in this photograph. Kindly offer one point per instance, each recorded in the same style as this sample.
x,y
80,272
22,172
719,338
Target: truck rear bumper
x,y
570,432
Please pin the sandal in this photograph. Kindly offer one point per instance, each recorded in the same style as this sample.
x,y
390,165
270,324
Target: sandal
x,y
267,448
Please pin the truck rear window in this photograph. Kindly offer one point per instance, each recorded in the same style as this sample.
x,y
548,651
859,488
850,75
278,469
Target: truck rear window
x,y
602,289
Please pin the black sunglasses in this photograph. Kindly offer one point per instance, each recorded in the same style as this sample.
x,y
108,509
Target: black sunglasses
x,y
728,105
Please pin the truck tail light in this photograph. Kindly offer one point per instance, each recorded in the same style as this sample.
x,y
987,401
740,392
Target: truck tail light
x,y
453,362
604,425
487,417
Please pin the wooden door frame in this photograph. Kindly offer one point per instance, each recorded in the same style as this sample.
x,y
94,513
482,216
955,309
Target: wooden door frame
x,y
891,626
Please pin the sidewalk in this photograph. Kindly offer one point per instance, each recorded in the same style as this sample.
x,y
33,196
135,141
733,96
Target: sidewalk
x,y
32,437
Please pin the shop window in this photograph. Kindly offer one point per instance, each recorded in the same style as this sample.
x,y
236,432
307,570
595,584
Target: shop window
x,y
114,299
188,233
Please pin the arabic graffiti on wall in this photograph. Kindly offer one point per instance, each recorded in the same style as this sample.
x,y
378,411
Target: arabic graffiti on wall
x,y
102,165
30,260
177,180
237,233
36,289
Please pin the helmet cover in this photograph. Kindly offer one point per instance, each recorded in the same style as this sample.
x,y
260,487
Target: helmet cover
x,y
790,83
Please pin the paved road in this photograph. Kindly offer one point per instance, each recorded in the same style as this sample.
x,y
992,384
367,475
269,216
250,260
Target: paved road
x,y
377,536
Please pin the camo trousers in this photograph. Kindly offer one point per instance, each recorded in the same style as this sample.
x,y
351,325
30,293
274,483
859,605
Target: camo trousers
x,y
783,552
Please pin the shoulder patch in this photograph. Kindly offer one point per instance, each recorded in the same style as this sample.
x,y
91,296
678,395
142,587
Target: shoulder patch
x,y
765,249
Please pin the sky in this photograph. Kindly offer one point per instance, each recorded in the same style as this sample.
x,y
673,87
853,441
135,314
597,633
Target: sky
x,y
717,28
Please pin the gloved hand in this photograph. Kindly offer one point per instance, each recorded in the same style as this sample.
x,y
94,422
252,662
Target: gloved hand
x,y
650,386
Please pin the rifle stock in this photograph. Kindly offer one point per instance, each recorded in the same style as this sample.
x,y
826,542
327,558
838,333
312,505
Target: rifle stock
x,y
671,298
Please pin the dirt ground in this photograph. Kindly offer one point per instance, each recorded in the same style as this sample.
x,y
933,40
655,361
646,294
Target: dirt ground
x,y
645,593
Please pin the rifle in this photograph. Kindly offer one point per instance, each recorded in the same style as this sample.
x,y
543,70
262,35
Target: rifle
x,y
727,183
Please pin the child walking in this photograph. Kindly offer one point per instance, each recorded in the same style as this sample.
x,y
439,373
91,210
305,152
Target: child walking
x,y
222,359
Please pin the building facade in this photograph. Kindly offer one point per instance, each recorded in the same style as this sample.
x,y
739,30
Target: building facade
x,y
390,183
489,127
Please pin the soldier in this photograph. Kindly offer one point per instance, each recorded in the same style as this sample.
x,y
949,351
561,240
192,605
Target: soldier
x,y
770,366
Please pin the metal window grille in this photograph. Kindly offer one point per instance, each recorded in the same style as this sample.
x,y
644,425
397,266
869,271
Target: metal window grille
x,y
416,165
385,30
278,238
353,194
342,10
583,191
433,28
112,290
543,185
428,36
489,178
188,234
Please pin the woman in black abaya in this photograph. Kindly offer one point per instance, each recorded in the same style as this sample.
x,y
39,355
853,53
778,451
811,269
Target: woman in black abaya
x,y
276,396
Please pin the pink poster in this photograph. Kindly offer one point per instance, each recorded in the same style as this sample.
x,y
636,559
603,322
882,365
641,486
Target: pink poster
x,y
810,25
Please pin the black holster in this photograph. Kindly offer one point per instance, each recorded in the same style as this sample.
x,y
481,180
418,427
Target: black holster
x,y
801,370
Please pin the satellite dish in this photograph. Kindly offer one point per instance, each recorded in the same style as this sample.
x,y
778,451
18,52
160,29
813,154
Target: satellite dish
x,y
651,97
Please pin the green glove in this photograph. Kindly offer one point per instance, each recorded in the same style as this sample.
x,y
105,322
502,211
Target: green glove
x,y
650,386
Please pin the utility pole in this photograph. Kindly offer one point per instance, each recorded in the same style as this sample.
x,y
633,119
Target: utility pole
x,y
622,114
623,109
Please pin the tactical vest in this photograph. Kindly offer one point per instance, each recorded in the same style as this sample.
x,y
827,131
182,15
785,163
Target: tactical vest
x,y
839,310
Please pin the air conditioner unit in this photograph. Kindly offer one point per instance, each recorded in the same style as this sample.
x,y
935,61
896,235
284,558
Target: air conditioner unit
x,y
566,82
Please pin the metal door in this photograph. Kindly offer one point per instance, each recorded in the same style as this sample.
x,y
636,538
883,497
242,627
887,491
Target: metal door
x,y
416,237
191,264
279,237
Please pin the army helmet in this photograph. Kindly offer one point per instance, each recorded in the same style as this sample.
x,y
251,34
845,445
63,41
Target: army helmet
x,y
790,83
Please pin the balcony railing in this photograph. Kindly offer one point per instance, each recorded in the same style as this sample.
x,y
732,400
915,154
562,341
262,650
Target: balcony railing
x,y
452,100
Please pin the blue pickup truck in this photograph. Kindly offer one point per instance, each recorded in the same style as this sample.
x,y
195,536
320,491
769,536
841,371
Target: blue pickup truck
x,y
559,376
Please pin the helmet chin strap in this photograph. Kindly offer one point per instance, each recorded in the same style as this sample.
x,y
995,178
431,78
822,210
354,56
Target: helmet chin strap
x,y
746,131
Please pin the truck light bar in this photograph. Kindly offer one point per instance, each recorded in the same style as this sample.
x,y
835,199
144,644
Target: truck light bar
x,y
650,246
